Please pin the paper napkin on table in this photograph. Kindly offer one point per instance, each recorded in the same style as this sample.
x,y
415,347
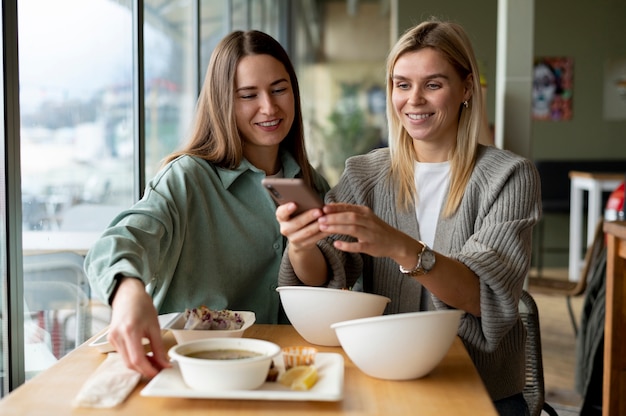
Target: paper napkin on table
x,y
109,385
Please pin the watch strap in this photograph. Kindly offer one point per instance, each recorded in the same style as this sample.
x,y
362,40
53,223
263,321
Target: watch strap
x,y
418,270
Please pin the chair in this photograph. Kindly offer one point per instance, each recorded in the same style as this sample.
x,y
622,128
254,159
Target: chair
x,y
534,390
567,288
555,199
55,282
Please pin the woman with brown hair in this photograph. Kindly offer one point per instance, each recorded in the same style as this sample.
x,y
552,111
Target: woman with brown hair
x,y
204,232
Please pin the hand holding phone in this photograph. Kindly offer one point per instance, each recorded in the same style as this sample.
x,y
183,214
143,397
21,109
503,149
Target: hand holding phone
x,y
283,190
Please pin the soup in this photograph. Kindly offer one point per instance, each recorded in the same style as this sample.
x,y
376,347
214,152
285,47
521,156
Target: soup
x,y
225,354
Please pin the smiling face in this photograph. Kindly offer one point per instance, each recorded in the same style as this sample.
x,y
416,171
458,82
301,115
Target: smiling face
x,y
264,103
427,95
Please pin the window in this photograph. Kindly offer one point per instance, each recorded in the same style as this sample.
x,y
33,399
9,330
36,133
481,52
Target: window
x,y
77,160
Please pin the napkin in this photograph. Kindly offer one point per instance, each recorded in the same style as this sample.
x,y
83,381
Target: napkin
x,y
109,385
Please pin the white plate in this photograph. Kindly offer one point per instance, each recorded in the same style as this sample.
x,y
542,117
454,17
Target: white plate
x,y
102,345
176,326
329,386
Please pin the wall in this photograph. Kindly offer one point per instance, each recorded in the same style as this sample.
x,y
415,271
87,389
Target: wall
x,y
590,34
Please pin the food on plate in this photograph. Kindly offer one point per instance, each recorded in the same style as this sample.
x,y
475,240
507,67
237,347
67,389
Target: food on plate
x,y
301,377
205,318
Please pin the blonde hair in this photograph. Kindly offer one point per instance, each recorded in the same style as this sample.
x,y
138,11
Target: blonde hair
x,y
453,43
215,136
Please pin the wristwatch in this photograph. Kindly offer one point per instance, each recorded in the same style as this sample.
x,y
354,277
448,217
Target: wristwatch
x,y
425,262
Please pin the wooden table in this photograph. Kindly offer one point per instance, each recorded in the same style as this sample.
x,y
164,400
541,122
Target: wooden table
x,y
595,184
614,383
453,388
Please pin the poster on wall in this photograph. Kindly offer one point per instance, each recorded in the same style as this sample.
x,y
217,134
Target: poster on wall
x,y
552,88
615,89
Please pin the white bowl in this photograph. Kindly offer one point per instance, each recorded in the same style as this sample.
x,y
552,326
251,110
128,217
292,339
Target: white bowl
x,y
187,335
224,374
401,346
312,310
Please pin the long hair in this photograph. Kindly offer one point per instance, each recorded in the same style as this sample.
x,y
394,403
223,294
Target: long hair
x,y
215,136
453,43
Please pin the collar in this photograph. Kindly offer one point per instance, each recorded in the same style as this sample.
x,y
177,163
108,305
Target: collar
x,y
291,169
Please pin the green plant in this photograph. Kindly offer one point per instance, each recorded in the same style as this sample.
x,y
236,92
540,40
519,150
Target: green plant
x,y
348,132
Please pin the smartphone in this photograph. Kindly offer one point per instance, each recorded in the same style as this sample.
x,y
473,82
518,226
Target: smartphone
x,y
283,190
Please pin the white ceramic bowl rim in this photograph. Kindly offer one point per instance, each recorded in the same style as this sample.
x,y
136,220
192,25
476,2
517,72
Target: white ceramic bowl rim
x,y
222,343
394,317
328,289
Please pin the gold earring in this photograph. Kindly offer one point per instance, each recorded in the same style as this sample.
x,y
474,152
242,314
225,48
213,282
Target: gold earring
x,y
465,104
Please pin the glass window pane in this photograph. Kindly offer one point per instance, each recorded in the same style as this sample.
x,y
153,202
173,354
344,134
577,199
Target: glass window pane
x,y
77,159
76,115
170,77
259,15
240,19
214,24
262,15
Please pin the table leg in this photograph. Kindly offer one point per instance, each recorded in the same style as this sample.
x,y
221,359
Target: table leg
x,y
575,230
595,210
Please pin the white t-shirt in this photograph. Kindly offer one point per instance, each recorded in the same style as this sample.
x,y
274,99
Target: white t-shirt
x,y
431,181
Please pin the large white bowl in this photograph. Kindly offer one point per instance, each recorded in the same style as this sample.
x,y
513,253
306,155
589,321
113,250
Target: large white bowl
x,y
401,346
182,335
312,310
214,374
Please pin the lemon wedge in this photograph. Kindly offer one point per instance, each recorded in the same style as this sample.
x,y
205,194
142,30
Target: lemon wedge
x,y
300,377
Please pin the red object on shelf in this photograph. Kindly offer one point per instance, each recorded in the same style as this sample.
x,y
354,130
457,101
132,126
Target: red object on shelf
x,y
615,205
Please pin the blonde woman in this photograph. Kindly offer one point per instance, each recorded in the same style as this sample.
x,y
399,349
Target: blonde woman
x,y
436,220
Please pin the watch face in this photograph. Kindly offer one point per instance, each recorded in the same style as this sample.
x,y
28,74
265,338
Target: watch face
x,y
428,260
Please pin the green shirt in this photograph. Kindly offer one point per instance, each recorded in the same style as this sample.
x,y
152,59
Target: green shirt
x,y
201,235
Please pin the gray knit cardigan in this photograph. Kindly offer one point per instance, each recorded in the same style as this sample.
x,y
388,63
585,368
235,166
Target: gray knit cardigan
x,y
490,233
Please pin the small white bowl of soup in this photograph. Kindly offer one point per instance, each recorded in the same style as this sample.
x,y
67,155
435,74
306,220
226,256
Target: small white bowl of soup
x,y
215,364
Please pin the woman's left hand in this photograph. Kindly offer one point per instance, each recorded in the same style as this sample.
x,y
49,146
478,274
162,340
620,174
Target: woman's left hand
x,y
374,236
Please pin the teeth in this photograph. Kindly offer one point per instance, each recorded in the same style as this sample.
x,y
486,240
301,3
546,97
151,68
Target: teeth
x,y
269,123
418,116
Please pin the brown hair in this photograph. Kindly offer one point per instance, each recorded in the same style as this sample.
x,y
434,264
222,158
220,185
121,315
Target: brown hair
x,y
214,136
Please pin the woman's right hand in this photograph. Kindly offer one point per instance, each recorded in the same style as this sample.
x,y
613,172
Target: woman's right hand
x,y
302,231
134,317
